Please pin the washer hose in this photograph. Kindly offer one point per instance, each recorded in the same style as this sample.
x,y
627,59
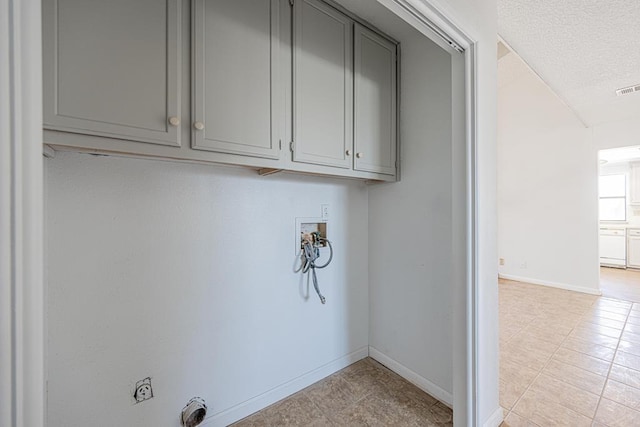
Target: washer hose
x,y
309,253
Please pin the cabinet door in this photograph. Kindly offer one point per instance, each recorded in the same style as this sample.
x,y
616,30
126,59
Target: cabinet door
x,y
633,251
375,102
323,85
236,95
112,68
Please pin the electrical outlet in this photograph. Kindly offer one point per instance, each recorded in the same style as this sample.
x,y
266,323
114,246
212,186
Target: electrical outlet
x,y
143,390
501,261
324,209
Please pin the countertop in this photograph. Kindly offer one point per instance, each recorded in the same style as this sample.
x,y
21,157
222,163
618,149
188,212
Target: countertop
x,y
612,226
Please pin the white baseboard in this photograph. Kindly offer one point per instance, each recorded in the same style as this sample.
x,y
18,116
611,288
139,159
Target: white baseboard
x,y
550,284
414,378
257,403
495,419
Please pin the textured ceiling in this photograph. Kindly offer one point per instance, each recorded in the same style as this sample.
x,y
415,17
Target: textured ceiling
x,y
583,49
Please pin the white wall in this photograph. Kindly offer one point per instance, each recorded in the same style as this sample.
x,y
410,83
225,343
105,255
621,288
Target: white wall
x,y
410,227
547,188
616,134
184,273
548,191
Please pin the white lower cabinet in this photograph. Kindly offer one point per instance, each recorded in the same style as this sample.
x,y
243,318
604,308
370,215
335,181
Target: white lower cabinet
x,y
613,252
633,248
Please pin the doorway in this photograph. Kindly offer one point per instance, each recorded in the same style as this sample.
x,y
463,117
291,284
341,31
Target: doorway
x,y
29,382
619,222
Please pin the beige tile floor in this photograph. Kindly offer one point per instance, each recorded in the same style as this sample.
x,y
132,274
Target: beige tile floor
x,y
568,359
619,283
363,394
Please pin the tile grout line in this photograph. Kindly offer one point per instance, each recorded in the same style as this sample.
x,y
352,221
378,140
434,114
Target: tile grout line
x,y
556,351
559,346
526,389
628,307
337,375
313,401
615,353
382,369
521,329
539,373
600,395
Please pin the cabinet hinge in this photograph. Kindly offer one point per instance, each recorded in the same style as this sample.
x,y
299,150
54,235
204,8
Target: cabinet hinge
x,y
291,3
280,144
291,146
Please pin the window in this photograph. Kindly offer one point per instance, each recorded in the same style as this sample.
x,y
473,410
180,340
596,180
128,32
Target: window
x,y
613,197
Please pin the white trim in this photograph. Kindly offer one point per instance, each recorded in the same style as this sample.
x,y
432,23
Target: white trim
x,y
461,249
6,324
436,21
409,14
413,377
21,216
495,419
270,397
550,284
472,304
428,17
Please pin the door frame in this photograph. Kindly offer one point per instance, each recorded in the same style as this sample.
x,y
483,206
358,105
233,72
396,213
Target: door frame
x,y
22,378
458,41
22,341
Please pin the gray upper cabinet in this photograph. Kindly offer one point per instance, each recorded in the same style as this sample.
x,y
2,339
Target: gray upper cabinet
x,y
323,85
264,77
112,68
375,102
237,98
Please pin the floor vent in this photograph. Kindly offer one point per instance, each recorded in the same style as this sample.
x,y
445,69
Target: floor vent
x,y
628,90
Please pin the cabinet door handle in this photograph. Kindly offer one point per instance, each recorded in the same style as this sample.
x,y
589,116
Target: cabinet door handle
x,y
198,125
174,121
359,155
348,152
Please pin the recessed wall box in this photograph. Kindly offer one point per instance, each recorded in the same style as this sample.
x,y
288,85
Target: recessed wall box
x,y
305,227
